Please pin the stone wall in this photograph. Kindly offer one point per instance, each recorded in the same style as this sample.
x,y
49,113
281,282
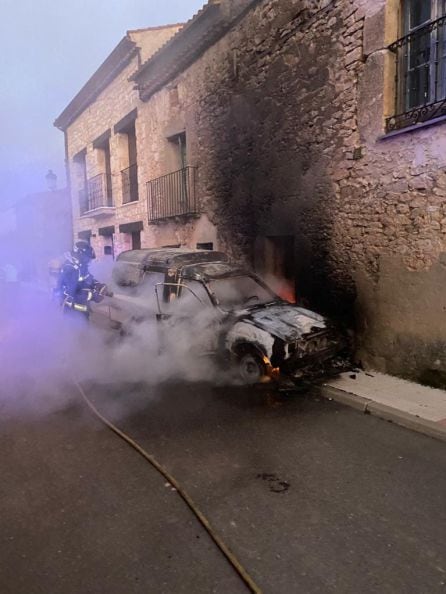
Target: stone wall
x,y
113,103
284,117
154,123
151,43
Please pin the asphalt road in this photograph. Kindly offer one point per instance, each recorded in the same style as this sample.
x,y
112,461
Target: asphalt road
x,y
312,497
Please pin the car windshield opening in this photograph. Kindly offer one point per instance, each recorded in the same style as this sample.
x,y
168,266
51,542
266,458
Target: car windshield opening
x,y
240,292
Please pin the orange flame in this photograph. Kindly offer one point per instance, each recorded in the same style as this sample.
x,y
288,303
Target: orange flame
x,y
287,293
284,288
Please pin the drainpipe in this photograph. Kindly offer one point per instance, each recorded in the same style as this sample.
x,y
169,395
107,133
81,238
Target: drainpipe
x,y
68,176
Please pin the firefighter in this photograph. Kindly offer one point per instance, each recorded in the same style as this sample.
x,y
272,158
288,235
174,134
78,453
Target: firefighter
x,y
76,286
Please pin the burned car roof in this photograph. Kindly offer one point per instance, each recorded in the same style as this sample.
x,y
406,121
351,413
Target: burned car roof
x,y
212,271
201,265
169,257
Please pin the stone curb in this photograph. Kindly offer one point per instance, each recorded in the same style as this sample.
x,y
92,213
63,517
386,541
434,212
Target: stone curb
x,y
358,402
385,412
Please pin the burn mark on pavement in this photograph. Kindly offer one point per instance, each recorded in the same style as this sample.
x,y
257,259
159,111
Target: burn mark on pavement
x,y
275,484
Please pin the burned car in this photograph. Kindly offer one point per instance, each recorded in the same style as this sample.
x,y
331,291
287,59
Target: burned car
x,y
249,327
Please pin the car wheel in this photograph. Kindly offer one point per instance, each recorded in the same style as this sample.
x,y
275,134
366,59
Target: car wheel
x,y
251,368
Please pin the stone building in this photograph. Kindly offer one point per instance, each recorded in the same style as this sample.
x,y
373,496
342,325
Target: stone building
x,y
305,137
105,147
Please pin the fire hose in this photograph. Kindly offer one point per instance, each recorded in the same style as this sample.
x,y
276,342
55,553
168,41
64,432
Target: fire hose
x,y
231,558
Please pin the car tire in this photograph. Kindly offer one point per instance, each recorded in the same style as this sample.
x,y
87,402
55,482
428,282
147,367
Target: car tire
x,y
251,368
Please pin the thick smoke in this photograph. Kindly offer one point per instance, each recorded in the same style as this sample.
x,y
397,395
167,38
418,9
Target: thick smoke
x,y
42,350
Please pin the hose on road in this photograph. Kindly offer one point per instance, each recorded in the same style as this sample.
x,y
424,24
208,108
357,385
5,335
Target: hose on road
x,y
235,563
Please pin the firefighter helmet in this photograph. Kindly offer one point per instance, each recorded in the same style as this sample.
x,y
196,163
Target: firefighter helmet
x,y
83,251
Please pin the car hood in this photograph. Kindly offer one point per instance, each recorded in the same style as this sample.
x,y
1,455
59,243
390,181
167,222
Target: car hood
x,y
285,321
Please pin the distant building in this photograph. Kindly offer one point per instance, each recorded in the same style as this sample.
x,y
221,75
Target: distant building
x,y
305,137
34,230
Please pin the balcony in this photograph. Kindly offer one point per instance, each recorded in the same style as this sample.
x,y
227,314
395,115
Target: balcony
x,y
172,195
96,199
129,179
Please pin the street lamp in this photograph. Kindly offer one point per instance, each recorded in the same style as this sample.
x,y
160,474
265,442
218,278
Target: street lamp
x,y
51,180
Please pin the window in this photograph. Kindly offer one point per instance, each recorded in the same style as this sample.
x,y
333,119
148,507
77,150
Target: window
x,y
178,151
198,289
100,186
80,171
136,240
85,235
237,292
133,234
208,245
194,297
125,131
129,175
420,64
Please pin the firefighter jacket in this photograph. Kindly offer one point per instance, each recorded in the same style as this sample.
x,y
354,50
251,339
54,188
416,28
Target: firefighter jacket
x,y
77,286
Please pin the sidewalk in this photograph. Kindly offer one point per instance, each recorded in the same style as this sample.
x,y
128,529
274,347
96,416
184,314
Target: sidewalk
x,y
405,403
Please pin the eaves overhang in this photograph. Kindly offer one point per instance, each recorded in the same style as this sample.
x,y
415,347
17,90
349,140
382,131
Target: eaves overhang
x,y
109,69
186,46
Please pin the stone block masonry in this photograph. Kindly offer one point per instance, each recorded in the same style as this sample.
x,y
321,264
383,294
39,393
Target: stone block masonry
x,y
286,119
283,116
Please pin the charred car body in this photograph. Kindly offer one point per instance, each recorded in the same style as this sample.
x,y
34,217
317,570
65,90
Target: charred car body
x,y
250,327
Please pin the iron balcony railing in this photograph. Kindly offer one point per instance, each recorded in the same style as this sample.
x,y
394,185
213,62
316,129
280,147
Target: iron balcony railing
x,y
420,76
129,179
97,194
172,195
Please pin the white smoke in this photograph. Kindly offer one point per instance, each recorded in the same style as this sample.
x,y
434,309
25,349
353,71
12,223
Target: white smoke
x,y
42,350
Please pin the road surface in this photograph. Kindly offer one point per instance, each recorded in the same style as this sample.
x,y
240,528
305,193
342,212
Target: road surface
x,y
313,497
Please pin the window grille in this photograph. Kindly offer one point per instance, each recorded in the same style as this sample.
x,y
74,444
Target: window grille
x,y
420,64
